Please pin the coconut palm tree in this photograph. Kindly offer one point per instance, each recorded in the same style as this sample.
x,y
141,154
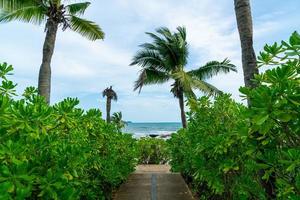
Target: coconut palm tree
x,y
244,22
245,27
110,94
117,120
165,59
54,14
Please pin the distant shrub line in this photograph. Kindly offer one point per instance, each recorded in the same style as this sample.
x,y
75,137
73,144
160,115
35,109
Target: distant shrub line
x,y
152,151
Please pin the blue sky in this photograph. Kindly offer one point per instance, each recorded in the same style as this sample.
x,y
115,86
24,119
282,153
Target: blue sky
x,y
82,69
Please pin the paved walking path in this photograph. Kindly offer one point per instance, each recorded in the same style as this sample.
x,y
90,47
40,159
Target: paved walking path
x,y
154,182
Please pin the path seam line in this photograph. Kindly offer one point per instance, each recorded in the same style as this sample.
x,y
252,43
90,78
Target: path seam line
x,y
153,187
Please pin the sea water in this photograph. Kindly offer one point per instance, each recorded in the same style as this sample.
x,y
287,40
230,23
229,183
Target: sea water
x,y
157,128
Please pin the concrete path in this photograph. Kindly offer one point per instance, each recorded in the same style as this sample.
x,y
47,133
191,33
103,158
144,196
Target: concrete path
x,y
154,182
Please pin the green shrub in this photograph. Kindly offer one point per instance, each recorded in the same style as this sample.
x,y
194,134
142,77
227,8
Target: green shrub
x,y
152,150
60,151
210,152
275,117
230,151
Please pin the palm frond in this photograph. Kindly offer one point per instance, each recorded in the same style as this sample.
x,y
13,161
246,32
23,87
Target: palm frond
x,y
56,2
150,76
182,31
205,87
183,81
148,46
165,49
114,95
166,33
173,48
213,68
33,14
86,28
77,8
148,59
155,37
117,117
12,5
110,93
180,49
188,83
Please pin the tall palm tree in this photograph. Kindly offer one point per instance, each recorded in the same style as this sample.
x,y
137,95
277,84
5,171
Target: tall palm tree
x,y
110,94
165,59
244,22
245,27
54,14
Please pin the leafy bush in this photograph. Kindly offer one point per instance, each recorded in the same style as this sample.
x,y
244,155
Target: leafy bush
x,y
152,150
230,151
275,117
60,151
210,151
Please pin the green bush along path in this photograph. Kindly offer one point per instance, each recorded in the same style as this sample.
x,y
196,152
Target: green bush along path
x,y
226,144
60,151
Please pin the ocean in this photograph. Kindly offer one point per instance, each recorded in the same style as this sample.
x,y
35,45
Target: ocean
x,y
159,128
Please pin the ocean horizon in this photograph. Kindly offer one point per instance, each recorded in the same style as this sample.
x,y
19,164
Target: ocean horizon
x,y
140,129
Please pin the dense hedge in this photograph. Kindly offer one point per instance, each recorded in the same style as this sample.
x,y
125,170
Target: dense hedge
x,y
230,151
60,151
152,151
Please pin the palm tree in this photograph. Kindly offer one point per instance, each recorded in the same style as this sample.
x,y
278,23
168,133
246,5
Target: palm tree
x,y
54,14
110,95
245,27
165,59
244,22
117,120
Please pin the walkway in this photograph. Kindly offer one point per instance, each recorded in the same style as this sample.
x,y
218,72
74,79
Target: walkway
x,y
154,182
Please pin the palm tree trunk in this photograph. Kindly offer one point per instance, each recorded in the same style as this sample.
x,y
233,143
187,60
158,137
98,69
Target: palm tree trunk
x,y
181,104
108,107
44,86
244,22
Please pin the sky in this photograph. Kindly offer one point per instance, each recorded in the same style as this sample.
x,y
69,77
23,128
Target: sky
x,y
83,69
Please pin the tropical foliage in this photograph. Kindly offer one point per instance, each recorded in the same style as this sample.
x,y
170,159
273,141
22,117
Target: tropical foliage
x,y
53,13
166,58
39,12
60,151
230,151
152,150
117,119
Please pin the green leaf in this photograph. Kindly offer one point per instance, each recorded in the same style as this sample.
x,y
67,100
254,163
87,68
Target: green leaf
x,y
213,68
295,39
291,167
297,181
285,117
86,28
4,170
265,142
77,8
260,119
32,14
7,187
295,53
